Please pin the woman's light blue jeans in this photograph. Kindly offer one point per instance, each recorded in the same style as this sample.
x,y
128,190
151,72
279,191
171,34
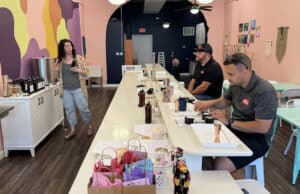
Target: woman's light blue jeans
x,y
72,97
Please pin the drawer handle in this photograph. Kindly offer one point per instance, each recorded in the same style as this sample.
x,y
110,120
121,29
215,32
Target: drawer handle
x,y
39,101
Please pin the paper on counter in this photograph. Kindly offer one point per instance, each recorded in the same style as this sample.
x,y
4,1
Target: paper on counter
x,y
180,121
206,135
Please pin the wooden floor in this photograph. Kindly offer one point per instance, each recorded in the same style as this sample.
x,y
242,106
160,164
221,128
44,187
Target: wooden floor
x,y
57,161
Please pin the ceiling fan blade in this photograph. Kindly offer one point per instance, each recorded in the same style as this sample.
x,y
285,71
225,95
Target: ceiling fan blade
x,y
205,9
207,6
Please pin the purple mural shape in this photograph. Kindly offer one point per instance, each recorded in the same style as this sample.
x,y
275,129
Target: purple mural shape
x,y
67,7
9,50
73,26
33,51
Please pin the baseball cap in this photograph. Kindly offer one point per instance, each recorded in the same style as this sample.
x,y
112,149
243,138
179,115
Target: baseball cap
x,y
204,48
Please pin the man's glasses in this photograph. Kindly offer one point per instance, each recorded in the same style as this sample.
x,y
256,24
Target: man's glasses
x,y
200,50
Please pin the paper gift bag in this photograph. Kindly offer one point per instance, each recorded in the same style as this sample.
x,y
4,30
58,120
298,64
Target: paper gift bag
x,y
113,190
145,189
135,151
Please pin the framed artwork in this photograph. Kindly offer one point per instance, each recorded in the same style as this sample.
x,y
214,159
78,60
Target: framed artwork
x,y
246,27
257,31
251,38
241,27
243,38
253,24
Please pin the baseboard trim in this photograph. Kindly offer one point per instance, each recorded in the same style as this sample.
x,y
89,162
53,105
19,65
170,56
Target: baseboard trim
x,y
110,85
1,155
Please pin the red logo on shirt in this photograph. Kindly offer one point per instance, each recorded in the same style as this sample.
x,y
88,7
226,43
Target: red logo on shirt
x,y
245,101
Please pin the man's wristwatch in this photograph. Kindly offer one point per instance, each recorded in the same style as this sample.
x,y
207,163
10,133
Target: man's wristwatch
x,y
230,121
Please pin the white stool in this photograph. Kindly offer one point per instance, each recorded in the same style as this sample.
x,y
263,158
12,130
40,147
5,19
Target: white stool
x,y
94,72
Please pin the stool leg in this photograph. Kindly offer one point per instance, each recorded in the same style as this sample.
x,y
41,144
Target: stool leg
x,y
289,144
248,172
260,173
296,166
89,82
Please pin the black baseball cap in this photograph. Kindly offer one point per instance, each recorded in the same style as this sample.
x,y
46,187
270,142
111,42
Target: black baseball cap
x,y
204,48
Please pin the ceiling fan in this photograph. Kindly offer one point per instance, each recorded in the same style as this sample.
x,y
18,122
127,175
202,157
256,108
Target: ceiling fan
x,y
195,8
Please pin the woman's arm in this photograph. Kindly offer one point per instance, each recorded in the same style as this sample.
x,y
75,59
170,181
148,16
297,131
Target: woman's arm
x,y
82,66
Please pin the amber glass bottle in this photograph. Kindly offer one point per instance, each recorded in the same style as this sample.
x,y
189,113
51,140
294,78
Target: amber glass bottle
x,y
141,98
148,113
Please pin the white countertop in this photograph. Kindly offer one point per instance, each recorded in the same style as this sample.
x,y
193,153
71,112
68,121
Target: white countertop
x,y
25,96
118,124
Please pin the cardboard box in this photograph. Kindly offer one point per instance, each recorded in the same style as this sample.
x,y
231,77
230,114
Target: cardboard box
x,y
144,189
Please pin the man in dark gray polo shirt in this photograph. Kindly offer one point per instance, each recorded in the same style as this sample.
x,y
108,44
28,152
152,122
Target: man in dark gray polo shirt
x,y
254,103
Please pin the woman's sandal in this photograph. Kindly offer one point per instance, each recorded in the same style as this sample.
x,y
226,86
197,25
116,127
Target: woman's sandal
x,y
70,135
90,132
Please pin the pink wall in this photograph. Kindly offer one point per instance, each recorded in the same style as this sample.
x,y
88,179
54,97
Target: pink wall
x,y
269,15
215,21
95,15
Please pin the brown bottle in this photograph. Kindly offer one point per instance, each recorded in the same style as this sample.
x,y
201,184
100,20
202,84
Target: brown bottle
x,y
141,98
148,113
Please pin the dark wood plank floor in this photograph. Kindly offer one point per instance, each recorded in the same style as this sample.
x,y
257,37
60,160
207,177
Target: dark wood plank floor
x,y
57,161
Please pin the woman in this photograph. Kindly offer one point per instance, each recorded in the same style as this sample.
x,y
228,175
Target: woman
x,y
71,71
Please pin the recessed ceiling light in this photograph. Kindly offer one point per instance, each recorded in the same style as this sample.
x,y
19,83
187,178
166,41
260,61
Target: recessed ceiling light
x,y
205,1
166,25
116,2
194,9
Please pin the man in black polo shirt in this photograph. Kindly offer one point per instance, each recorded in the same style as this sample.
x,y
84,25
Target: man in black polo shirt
x,y
208,78
254,103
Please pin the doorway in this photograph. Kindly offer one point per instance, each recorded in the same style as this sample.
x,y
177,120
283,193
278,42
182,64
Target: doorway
x,y
142,48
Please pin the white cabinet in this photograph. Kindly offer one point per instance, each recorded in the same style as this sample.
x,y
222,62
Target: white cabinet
x,y
31,120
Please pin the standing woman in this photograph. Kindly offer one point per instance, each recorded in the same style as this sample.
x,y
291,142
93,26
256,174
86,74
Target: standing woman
x,y
71,71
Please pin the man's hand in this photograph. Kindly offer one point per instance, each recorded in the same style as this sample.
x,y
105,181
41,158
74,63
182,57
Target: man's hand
x,y
201,105
219,115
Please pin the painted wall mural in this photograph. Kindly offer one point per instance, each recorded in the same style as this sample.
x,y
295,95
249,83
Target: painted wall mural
x,y
31,29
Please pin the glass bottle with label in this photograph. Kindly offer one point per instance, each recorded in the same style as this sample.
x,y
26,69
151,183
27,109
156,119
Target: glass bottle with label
x,y
141,98
148,113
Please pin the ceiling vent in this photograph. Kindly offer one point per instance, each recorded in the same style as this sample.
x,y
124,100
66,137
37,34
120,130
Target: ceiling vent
x,y
189,31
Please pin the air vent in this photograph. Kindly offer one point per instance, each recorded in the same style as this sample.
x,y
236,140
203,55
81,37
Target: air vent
x,y
189,31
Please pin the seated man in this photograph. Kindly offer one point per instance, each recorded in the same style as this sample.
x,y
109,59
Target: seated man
x,y
208,78
254,103
175,65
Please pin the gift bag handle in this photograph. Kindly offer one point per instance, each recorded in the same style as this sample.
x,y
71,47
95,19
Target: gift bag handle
x,y
131,140
102,156
106,149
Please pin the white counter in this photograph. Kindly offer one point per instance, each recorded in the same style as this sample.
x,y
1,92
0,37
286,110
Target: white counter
x,y
118,124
